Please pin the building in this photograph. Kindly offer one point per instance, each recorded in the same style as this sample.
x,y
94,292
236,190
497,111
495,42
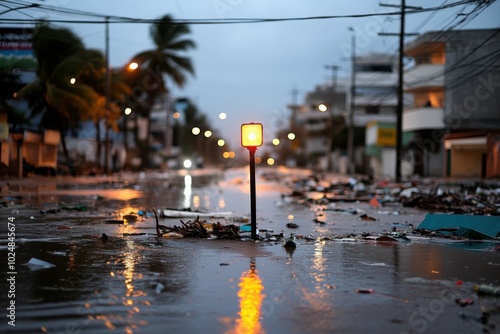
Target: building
x,y
455,81
374,113
318,124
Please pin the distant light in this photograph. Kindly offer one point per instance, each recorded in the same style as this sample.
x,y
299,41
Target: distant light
x,y
128,111
222,115
290,217
232,154
322,107
177,115
187,163
72,81
276,141
208,133
221,142
291,136
196,131
270,161
225,155
133,66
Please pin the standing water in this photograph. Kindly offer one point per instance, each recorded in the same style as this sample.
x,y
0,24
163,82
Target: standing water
x,y
70,278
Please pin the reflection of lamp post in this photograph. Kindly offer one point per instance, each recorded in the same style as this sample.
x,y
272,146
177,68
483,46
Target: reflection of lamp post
x,y
251,138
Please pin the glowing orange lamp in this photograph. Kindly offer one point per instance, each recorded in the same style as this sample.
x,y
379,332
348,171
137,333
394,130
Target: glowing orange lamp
x,y
251,138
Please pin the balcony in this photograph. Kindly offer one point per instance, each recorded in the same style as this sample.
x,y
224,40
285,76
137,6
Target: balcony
x,y
423,118
424,77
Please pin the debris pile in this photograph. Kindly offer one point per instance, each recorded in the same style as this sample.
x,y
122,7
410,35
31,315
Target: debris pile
x,y
478,198
199,229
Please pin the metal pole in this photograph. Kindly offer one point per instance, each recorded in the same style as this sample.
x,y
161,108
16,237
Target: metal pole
x,y
170,130
108,93
399,111
253,217
350,133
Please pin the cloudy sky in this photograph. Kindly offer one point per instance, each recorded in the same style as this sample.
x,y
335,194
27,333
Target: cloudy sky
x,y
250,70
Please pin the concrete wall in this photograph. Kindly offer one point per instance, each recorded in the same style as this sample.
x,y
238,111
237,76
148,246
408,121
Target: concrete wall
x,y
472,80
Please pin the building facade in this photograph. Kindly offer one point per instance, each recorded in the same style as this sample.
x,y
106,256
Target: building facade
x,y
455,81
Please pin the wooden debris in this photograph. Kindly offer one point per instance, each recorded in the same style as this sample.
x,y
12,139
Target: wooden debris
x,y
197,229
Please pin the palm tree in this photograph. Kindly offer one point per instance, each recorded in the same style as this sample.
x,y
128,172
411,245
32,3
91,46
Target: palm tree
x,y
65,91
165,59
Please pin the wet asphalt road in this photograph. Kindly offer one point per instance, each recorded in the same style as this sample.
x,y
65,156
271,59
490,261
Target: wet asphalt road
x,y
135,282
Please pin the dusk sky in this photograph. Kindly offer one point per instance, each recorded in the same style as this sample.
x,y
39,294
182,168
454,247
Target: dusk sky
x,y
249,70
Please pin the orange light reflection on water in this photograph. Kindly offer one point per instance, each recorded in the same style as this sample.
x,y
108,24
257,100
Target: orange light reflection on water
x,y
251,298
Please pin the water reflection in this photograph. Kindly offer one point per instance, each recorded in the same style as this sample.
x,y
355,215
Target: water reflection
x,y
251,298
188,190
319,265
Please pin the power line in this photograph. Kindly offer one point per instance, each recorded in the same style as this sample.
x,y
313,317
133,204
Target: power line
x,y
119,19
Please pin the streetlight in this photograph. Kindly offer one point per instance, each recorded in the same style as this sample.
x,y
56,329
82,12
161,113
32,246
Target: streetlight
x,y
251,138
322,107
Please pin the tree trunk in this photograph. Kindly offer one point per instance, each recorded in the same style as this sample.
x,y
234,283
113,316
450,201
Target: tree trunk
x,y
62,131
145,163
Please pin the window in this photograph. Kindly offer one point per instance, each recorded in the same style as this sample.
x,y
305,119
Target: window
x,y
372,110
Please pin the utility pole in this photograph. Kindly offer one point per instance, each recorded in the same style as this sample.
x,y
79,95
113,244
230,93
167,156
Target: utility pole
x,y
350,133
108,93
331,111
399,109
334,69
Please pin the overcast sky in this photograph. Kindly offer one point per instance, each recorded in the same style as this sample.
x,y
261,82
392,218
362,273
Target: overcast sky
x,y
249,70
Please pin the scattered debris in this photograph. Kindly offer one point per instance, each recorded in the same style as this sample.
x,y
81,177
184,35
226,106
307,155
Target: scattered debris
x,y
464,301
35,264
364,290
159,288
460,226
198,229
486,290
188,213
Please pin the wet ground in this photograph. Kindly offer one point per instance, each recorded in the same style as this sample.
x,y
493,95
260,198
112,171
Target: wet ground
x,y
135,282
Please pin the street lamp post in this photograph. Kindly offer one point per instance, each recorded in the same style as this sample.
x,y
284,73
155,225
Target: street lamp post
x,y
251,138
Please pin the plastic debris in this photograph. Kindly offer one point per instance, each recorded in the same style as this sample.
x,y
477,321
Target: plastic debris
x,y
464,301
486,290
159,288
37,264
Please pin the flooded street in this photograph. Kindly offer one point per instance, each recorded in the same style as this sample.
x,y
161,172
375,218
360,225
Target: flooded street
x,y
136,282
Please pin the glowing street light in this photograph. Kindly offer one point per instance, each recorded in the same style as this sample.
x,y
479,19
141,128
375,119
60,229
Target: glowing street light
x,y
291,136
196,131
276,141
222,115
322,107
221,142
251,138
133,66
208,134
